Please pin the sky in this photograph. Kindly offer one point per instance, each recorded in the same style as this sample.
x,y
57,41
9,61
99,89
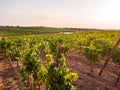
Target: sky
x,y
103,14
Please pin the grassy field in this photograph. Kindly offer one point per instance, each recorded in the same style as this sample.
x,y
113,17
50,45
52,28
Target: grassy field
x,y
16,31
20,31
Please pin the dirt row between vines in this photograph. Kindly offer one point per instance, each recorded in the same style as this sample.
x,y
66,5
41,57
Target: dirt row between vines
x,y
91,81
9,77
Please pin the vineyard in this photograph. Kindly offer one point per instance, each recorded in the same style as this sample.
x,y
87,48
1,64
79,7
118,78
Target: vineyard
x,y
80,61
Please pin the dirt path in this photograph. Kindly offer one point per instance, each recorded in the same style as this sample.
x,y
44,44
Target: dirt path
x,y
91,81
9,79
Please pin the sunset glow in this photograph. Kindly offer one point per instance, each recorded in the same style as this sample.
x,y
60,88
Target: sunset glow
x,y
62,13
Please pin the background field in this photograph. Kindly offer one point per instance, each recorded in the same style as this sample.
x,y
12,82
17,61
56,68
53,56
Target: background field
x,y
18,30
15,31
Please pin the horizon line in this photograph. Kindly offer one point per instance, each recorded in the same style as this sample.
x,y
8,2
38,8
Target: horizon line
x,y
58,27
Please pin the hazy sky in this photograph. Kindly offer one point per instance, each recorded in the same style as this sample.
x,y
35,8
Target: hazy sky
x,y
61,13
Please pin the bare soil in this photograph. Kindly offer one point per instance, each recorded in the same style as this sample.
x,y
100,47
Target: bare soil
x,y
9,77
91,81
